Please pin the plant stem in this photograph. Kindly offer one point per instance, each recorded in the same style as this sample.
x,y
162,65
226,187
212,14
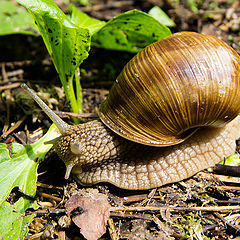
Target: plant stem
x,y
78,90
74,99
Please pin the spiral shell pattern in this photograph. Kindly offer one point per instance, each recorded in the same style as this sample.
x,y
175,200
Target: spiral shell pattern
x,y
173,87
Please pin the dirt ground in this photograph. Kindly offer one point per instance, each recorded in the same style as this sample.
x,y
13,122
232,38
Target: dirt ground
x,y
206,206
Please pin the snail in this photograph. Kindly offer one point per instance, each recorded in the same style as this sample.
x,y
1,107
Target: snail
x,y
172,112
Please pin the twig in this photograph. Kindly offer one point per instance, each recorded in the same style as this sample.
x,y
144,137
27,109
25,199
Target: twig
x,y
13,128
148,198
216,177
133,198
46,195
177,209
162,226
8,102
19,138
131,215
229,188
229,179
61,235
235,228
229,201
10,86
112,230
34,236
226,170
4,73
15,73
17,63
43,185
54,212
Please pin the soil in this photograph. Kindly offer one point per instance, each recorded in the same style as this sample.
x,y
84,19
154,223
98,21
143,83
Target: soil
x,y
206,206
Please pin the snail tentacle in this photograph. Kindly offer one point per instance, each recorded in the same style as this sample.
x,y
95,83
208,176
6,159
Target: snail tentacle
x,y
61,125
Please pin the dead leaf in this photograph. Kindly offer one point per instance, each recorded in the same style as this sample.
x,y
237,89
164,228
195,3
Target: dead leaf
x,y
90,213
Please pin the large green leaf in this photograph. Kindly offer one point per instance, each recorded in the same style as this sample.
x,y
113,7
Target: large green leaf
x,y
67,44
20,170
13,222
130,31
15,19
83,20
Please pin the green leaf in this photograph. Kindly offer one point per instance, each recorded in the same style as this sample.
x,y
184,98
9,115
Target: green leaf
x,y
161,16
83,20
67,44
20,173
130,31
233,160
14,19
21,169
4,153
13,222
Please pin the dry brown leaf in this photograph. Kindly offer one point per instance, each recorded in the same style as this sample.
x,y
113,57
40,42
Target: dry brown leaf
x,y
90,213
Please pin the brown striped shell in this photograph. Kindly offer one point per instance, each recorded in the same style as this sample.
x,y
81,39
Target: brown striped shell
x,y
172,87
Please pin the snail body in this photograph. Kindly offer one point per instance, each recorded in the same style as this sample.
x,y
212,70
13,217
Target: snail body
x,y
171,113
131,165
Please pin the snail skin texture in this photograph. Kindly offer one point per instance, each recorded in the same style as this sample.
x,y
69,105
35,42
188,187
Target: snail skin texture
x,y
172,112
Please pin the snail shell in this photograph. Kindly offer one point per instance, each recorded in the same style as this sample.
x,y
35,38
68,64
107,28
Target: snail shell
x,y
172,87
161,98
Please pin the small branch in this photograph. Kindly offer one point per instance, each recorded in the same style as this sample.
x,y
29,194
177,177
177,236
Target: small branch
x,y
34,236
46,195
235,228
228,179
177,209
147,217
112,229
43,212
226,170
8,101
229,188
10,86
14,127
43,185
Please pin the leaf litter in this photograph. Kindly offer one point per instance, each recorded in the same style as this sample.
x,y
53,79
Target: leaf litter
x,y
89,210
